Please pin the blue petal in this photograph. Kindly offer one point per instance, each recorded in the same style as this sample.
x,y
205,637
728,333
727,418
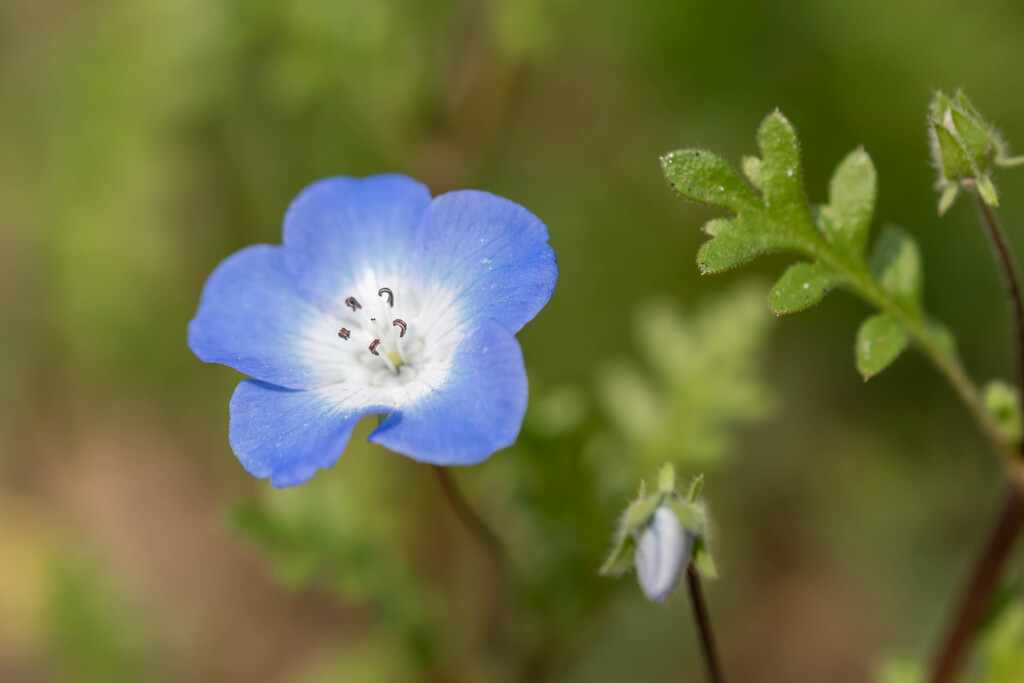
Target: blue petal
x,y
251,318
338,229
479,409
288,435
489,252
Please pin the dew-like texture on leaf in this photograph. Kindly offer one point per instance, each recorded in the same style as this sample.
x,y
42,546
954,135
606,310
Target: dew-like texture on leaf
x,y
896,263
880,340
801,286
704,177
833,240
847,216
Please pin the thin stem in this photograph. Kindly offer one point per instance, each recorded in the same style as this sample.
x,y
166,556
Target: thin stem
x,y
700,615
476,526
1011,281
984,578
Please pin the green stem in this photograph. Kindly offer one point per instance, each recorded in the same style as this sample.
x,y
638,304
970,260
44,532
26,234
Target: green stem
x,y
944,357
956,643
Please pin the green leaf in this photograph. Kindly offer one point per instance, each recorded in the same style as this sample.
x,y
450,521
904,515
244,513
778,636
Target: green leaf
x,y
801,286
880,340
701,176
753,168
896,264
781,172
741,239
956,163
846,218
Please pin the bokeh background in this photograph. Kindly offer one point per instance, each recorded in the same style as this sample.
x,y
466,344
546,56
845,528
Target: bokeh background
x,y
142,141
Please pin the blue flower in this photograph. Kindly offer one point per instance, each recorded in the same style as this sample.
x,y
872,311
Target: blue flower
x,y
380,300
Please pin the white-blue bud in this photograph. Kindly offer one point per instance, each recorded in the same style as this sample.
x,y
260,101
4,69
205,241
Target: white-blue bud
x,y
663,550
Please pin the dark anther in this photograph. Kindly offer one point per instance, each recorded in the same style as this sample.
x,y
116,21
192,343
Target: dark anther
x,y
391,295
399,323
373,347
344,333
352,303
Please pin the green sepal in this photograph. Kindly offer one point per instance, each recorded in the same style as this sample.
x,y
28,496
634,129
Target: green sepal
x,y
896,264
667,478
1003,403
880,340
702,559
620,558
987,190
704,177
954,160
1009,162
948,196
696,487
852,191
639,513
977,141
801,286
690,516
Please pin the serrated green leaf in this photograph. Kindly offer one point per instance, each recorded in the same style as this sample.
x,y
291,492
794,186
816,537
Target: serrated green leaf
x,y
896,264
880,340
752,168
704,177
977,141
846,218
713,226
741,239
956,163
802,285
781,173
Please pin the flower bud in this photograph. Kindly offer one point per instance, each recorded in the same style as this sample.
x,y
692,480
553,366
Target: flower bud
x,y
964,147
662,551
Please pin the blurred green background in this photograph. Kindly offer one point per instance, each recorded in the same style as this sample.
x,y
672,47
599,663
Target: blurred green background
x,y
142,141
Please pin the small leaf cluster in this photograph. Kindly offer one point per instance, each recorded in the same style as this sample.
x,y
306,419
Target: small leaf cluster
x,y
690,510
771,213
964,148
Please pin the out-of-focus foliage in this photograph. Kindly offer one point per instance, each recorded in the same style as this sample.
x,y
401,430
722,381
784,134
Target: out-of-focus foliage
x,y
701,379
